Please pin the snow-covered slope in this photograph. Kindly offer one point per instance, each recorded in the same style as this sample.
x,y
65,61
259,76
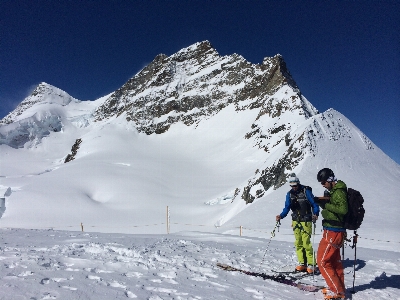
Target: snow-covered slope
x,y
336,143
218,162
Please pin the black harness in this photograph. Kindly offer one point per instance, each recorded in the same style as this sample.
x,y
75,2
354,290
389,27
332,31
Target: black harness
x,y
300,206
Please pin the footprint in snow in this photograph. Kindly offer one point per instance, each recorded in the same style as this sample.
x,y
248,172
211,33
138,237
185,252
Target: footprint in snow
x,y
26,273
92,277
133,274
97,271
47,296
69,288
130,295
116,284
59,279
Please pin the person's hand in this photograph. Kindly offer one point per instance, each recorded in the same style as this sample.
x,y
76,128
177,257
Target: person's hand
x,y
320,202
314,218
278,218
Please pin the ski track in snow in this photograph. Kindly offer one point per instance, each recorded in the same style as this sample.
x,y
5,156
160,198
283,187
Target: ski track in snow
x,y
46,264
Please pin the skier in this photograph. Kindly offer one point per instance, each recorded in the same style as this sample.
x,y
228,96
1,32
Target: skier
x,y
300,200
328,256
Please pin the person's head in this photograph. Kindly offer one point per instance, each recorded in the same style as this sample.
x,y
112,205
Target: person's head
x,y
294,182
327,178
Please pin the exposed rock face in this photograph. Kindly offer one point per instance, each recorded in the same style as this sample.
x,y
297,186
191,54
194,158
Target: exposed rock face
x,y
197,82
74,151
274,176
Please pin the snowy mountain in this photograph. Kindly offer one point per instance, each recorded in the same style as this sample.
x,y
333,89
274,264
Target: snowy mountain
x,y
196,145
212,137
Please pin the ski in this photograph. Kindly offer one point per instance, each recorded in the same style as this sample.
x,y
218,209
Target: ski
x,y
292,275
277,278
297,274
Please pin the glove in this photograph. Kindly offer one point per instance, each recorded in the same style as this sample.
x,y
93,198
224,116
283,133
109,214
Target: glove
x,y
320,202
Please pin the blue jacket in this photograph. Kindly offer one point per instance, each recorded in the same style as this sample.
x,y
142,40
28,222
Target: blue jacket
x,y
310,198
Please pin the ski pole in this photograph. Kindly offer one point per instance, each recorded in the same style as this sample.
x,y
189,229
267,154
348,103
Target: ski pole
x,y
314,264
355,258
278,223
343,251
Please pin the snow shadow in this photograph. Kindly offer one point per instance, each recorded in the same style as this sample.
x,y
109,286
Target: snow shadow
x,y
349,263
379,283
2,206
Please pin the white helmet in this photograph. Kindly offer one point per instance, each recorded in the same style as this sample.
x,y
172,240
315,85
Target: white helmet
x,y
293,180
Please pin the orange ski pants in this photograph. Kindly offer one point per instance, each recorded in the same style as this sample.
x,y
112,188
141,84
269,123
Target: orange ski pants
x,y
329,260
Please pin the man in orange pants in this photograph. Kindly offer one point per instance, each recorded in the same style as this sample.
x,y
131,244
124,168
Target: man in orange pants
x,y
328,256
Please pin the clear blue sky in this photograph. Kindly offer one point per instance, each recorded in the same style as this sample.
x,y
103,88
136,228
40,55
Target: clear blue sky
x,y
342,54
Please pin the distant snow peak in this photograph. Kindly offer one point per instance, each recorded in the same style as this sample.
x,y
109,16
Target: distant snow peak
x,y
43,88
43,93
52,94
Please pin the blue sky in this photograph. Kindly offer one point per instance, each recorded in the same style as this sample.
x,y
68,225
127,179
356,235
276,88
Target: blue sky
x,y
342,54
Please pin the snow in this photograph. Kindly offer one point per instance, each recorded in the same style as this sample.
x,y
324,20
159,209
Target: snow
x,y
121,182
47,264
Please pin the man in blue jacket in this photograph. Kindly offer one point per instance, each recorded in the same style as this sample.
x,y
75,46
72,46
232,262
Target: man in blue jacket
x,y
305,211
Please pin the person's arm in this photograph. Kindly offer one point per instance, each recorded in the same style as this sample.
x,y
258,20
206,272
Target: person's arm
x,y
338,202
286,209
310,198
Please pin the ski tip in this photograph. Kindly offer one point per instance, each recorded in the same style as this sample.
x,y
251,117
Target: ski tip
x,y
225,267
309,288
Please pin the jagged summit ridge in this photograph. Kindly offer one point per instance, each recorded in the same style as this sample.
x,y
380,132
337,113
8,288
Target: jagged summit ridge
x,y
195,51
196,82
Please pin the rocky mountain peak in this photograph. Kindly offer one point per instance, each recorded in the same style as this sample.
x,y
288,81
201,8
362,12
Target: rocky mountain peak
x,y
42,89
195,51
276,66
196,82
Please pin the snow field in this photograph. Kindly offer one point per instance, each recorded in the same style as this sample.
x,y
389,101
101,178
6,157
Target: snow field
x,y
47,264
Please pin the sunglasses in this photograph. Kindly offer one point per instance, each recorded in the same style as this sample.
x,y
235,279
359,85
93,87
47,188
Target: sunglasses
x,y
323,182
